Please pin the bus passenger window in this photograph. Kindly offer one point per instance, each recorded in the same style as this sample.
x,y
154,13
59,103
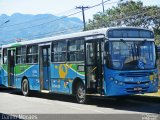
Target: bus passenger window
x,y
72,50
24,50
19,51
21,55
29,58
18,59
35,58
32,54
76,50
35,49
59,50
23,58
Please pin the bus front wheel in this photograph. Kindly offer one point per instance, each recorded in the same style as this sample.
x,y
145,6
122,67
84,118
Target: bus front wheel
x,y
80,93
25,87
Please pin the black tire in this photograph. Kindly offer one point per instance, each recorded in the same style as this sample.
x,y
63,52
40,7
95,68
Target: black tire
x,y
81,93
25,87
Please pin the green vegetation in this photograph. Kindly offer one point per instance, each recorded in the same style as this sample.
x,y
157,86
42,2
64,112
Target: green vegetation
x,y
129,13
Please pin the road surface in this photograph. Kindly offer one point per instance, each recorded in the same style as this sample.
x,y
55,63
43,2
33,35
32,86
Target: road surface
x,y
13,102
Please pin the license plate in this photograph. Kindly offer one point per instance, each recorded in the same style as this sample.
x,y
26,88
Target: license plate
x,y
137,89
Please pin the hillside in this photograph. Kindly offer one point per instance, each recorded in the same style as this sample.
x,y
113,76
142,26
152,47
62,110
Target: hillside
x,y
27,27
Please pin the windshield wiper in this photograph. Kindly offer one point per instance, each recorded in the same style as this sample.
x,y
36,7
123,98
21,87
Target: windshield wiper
x,y
140,44
123,41
132,52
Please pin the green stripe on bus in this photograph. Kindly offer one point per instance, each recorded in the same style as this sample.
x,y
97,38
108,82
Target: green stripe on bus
x,y
19,69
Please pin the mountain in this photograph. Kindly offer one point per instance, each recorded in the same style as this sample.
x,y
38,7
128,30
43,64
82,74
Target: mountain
x,y
28,27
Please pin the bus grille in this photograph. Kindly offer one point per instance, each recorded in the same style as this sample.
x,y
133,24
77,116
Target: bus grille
x,y
139,82
135,74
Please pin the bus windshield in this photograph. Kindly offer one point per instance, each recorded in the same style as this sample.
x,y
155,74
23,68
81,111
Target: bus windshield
x,y
123,55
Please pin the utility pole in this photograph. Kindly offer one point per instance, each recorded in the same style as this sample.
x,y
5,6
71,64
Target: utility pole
x,y
103,6
82,8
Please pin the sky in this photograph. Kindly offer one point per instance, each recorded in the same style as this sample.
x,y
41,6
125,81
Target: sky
x,y
59,7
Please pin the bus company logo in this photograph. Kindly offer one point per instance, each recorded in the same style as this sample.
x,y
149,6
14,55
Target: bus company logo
x,y
150,116
129,79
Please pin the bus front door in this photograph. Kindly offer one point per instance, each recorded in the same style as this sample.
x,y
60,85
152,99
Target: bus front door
x,y
44,67
93,66
11,64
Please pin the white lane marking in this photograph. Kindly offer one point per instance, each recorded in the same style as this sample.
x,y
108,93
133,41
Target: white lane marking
x,y
52,103
75,108
98,111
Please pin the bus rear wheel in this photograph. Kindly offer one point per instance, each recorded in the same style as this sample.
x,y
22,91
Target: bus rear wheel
x,y
80,93
25,87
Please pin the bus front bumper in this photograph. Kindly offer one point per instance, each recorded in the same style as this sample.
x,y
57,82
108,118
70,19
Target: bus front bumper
x,y
119,88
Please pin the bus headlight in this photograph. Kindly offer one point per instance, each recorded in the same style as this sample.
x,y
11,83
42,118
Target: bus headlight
x,y
153,81
116,82
111,78
120,83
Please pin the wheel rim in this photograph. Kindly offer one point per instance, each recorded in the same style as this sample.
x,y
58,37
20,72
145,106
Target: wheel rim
x,y
25,87
81,94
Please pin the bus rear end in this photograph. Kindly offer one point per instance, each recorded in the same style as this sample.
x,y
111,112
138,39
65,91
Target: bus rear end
x,y
130,62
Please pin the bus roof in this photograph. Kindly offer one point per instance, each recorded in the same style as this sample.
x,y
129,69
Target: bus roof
x,y
66,36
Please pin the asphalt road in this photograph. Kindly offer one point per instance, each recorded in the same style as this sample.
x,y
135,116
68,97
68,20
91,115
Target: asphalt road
x,y
13,102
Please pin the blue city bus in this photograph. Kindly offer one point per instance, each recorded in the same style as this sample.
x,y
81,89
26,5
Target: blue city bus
x,y
112,61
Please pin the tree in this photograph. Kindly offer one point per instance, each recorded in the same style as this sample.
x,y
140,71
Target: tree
x,y
129,13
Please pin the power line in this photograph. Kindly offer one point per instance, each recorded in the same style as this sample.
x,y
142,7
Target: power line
x,y
53,33
132,15
4,22
67,16
104,2
35,20
99,4
64,30
58,18
120,16
46,22
135,13
75,27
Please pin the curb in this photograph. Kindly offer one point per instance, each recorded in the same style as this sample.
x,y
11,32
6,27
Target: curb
x,y
157,94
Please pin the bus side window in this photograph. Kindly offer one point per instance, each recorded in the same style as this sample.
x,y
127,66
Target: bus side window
x,y
76,50
80,49
59,50
18,55
72,50
32,54
21,55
